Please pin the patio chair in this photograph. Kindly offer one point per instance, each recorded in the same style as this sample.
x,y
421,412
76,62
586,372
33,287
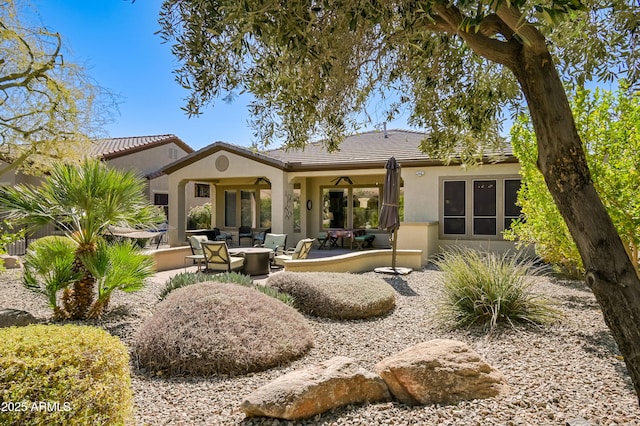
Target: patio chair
x,y
244,232
197,254
275,242
223,236
217,257
258,237
300,252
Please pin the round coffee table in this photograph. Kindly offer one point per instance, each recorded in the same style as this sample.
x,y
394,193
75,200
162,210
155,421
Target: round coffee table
x,y
256,259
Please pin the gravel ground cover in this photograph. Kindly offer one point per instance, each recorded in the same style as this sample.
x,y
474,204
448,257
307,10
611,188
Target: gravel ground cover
x,y
566,371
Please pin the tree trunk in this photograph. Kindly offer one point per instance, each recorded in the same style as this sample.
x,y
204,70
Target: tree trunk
x,y
561,159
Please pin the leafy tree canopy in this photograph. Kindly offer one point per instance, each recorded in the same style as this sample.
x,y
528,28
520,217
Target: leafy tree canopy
x,y
314,64
609,126
49,107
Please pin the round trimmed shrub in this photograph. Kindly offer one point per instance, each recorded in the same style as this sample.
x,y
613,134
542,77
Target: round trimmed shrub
x,y
220,328
336,295
63,375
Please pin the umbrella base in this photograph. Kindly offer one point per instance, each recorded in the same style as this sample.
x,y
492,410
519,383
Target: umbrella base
x,y
393,271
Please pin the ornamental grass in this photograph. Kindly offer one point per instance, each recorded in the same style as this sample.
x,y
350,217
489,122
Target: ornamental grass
x,y
486,289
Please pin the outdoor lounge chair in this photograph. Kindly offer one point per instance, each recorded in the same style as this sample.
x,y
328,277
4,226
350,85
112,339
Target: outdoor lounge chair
x,y
217,257
275,242
197,253
300,252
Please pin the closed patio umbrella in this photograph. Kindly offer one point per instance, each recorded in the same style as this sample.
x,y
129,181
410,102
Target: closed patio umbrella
x,y
389,219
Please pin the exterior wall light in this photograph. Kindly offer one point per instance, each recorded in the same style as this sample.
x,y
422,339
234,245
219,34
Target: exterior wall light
x,y
420,173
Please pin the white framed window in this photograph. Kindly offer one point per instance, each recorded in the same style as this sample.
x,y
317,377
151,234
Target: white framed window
x,y
477,207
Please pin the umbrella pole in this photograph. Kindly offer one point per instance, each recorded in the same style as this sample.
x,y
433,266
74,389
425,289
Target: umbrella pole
x,y
393,249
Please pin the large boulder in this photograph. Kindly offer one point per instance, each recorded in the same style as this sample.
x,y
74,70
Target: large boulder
x,y
440,372
15,317
316,389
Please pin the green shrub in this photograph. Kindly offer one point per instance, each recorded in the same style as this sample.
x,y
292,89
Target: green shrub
x,y
486,289
64,375
199,217
218,328
187,278
336,295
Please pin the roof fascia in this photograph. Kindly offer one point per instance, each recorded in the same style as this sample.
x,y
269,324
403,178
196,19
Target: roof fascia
x,y
221,146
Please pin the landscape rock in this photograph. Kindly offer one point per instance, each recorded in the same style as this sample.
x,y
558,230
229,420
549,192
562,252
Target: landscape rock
x,y
15,317
440,372
316,389
9,262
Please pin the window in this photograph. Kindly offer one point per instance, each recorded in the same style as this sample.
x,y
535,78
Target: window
x,y
478,207
366,207
162,200
173,154
247,207
297,214
230,208
512,211
202,190
354,207
265,208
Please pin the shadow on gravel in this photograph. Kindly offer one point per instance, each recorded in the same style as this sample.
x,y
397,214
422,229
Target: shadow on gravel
x,y
400,285
578,302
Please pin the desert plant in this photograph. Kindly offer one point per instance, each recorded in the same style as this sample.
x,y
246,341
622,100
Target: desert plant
x,y
83,200
80,373
184,279
336,295
220,328
50,267
487,288
119,266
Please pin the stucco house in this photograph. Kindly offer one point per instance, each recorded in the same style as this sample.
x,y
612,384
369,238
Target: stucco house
x,y
143,154
305,192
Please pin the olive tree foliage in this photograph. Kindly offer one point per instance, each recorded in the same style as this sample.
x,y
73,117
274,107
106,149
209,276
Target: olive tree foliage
x,y
609,126
49,107
312,66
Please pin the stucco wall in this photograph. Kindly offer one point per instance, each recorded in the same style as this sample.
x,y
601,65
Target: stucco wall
x,y
232,170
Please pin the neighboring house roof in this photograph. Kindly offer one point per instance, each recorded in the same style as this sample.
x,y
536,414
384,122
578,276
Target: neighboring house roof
x,y
364,150
116,147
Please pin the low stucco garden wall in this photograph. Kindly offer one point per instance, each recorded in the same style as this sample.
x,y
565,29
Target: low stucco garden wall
x,y
362,261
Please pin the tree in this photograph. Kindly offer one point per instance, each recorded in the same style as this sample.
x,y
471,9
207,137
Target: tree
x,y
609,126
83,200
313,64
49,107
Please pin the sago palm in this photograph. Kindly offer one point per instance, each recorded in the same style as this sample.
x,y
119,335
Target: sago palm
x,y
82,200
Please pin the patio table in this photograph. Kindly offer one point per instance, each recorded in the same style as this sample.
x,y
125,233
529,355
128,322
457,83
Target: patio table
x,y
351,234
256,259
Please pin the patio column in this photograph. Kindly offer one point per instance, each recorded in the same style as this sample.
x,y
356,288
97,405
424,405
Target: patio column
x,y
177,213
281,205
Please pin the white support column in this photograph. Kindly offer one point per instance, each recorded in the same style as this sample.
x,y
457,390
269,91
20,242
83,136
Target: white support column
x,y
177,213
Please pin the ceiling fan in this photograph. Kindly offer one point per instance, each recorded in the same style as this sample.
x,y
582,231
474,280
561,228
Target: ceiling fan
x,y
339,180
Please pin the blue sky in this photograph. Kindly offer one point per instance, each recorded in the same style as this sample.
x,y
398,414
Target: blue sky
x,y
115,41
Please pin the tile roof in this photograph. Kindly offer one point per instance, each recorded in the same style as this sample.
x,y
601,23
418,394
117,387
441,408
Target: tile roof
x,y
115,147
371,147
364,150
